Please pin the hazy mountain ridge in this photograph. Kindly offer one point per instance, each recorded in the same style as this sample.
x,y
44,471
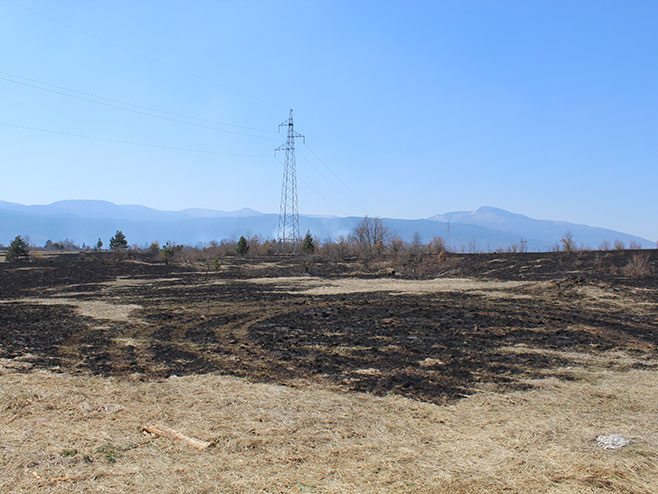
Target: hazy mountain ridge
x,y
485,229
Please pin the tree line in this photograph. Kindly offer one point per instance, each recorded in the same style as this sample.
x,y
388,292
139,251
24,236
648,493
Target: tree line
x,y
369,240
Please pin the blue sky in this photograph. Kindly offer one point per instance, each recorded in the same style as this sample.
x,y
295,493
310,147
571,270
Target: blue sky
x,y
414,108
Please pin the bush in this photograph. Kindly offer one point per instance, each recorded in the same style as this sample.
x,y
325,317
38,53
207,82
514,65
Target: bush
x,y
639,266
437,245
568,244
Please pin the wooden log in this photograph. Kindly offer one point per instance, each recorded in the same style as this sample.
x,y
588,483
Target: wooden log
x,y
172,434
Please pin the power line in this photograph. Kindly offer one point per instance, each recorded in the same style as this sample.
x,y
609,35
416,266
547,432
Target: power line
x,y
320,195
128,50
332,183
133,143
315,191
149,108
364,205
140,112
347,187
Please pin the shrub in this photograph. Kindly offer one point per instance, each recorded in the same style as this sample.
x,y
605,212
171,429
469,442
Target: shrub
x,y
568,244
639,266
523,245
437,245
396,244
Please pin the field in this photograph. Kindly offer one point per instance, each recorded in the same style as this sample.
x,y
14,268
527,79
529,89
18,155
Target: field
x,y
495,374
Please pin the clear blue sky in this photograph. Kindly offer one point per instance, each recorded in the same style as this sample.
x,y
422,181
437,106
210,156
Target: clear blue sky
x,y
545,108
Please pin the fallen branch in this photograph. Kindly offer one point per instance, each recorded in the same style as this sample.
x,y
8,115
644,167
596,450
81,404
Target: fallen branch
x,y
65,479
172,434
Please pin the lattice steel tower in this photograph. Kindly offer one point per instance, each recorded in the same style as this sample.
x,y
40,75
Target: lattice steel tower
x,y
288,237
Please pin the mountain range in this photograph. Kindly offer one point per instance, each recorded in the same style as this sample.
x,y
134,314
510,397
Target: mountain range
x,y
84,221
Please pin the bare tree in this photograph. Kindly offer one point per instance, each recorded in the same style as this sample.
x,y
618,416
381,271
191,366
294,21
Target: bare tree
x,y
437,245
396,244
523,245
416,245
568,244
371,235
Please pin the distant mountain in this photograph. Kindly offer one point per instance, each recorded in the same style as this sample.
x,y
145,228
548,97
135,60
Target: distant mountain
x,y
211,213
86,221
535,231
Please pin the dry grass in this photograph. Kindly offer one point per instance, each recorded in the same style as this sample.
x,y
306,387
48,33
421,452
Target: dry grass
x,y
72,433
125,281
61,433
309,285
96,309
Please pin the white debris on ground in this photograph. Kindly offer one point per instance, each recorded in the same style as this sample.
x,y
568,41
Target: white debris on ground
x,y
612,441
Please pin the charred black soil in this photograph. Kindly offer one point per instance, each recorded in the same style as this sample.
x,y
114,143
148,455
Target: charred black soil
x,y
186,319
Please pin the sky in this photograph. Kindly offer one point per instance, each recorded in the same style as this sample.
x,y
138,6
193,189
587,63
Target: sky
x,y
409,109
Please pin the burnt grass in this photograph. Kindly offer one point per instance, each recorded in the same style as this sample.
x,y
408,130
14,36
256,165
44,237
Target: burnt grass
x,y
434,347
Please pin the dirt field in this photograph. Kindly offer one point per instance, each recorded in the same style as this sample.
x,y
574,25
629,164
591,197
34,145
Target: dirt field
x,y
495,374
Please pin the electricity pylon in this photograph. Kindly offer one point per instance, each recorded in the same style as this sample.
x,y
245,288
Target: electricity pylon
x,y
288,237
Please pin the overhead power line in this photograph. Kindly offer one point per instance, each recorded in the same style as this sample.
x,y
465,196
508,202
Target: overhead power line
x,y
132,110
129,50
318,193
132,143
149,108
330,182
355,198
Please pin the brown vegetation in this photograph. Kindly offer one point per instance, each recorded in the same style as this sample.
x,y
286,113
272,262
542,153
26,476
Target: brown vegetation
x,y
639,266
423,371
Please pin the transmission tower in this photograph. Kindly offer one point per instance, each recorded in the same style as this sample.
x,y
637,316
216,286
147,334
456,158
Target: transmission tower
x,y
288,237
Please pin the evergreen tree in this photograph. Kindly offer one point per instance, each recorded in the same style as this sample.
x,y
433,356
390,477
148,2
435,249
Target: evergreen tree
x,y
242,246
99,244
17,249
118,241
308,246
167,252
